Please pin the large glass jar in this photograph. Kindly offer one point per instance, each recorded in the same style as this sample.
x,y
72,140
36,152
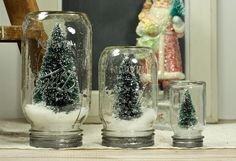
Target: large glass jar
x,y
187,112
56,77
128,96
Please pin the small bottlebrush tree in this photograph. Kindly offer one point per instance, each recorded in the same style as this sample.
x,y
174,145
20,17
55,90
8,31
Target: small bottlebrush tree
x,y
187,113
57,85
177,8
127,103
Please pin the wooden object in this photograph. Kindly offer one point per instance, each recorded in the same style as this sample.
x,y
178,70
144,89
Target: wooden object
x,y
118,155
10,33
16,10
219,146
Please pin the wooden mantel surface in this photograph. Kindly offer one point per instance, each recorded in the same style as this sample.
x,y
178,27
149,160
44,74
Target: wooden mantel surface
x,y
118,155
219,145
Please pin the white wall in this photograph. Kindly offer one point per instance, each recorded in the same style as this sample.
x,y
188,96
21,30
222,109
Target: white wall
x,y
10,66
202,59
227,58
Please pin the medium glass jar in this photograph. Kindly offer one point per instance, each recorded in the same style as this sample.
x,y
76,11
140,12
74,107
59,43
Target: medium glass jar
x,y
56,77
128,96
187,112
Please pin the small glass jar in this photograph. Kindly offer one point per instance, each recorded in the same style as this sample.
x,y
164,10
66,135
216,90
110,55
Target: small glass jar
x,y
56,77
187,112
127,95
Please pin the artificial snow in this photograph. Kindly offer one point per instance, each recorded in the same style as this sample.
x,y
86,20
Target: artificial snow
x,y
192,132
130,127
45,119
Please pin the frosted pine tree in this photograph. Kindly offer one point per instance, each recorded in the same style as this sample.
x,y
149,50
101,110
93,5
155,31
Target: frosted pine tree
x,y
187,113
177,8
127,103
57,85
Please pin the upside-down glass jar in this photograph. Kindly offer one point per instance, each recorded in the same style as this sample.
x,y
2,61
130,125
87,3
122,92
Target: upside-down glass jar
x,y
127,96
187,112
56,77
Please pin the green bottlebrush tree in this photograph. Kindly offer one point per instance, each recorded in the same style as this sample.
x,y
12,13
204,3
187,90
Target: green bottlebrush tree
x,y
177,8
127,103
187,113
58,85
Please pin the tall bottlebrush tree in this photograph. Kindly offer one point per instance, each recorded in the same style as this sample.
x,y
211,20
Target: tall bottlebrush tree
x,y
127,105
187,113
57,85
177,8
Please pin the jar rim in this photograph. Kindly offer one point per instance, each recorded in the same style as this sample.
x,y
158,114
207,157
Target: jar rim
x,y
186,82
127,47
35,13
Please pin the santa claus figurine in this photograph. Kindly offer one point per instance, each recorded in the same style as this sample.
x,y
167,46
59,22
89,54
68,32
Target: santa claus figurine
x,y
160,27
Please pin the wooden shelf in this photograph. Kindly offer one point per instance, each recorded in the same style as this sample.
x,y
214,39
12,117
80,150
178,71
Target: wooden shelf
x,y
219,145
118,155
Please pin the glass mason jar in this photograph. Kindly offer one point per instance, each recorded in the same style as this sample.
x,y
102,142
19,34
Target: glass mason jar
x,y
127,95
187,112
56,79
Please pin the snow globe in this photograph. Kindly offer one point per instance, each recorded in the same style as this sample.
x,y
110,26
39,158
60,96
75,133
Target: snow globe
x,y
187,114
127,96
56,77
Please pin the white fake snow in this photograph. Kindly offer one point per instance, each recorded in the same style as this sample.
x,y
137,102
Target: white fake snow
x,y
192,132
46,120
145,122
